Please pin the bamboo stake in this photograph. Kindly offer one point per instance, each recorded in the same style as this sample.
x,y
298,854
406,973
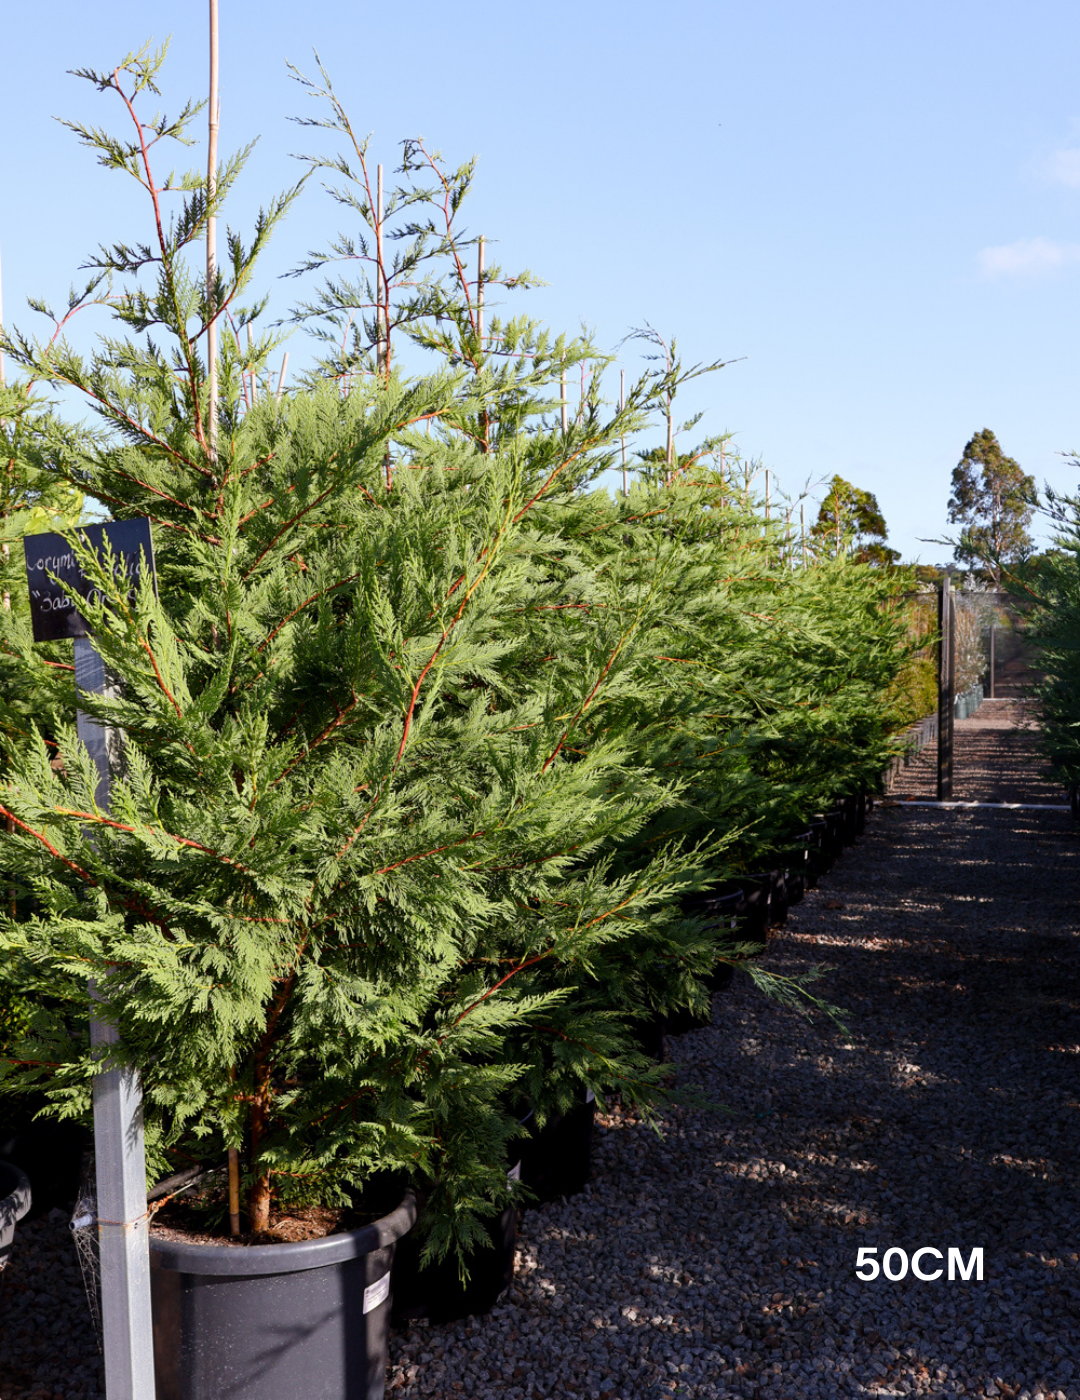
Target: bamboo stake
x,y
234,1179
480,292
766,495
382,308
381,355
485,416
670,443
622,409
562,395
251,343
802,530
211,237
281,376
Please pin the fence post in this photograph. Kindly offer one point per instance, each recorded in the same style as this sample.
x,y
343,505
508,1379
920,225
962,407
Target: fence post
x,y
946,679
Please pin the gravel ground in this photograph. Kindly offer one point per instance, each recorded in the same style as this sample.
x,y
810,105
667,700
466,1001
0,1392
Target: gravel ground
x,y
48,1347
994,759
720,1261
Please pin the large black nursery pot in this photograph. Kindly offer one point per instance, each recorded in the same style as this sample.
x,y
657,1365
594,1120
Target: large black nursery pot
x,y
435,1291
14,1203
48,1153
684,1020
803,847
834,822
720,910
557,1158
778,898
753,908
303,1321
825,847
649,1035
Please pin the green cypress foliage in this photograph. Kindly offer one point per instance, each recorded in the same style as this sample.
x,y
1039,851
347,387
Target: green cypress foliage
x,y
426,734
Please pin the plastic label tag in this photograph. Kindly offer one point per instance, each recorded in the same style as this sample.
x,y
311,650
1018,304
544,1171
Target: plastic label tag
x,y
376,1293
514,1174
590,1096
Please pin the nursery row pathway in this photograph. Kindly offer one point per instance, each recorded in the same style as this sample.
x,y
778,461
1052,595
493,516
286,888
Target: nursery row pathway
x,y
720,1261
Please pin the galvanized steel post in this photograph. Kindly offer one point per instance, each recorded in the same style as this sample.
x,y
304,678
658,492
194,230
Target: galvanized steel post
x,y
123,1225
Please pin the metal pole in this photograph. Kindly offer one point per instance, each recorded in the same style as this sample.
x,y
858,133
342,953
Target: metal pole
x,y
120,1159
945,692
993,658
952,684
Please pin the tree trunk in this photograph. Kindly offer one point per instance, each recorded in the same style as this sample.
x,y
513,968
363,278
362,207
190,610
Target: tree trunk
x,y
259,1197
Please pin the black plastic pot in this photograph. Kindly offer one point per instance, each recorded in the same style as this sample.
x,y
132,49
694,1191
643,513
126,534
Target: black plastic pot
x,y
684,1020
436,1291
720,910
649,1034
719,980
778,898
753,909
48,1153
15,1199
835,820
557,1158
824,848
305,1321
1074,801
796,886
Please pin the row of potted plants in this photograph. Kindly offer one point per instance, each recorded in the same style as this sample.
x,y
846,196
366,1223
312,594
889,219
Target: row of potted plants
x,y
439,760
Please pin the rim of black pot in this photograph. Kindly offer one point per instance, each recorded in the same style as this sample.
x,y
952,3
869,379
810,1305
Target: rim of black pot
x,y
289,1257
14,1193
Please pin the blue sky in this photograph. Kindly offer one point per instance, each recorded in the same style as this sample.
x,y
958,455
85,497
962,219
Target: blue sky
x,y
874,209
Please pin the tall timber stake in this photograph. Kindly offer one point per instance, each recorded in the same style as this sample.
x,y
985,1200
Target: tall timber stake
x,y
211,239
119,1155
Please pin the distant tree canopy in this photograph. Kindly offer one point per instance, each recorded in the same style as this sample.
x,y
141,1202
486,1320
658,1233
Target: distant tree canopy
x,y
851,519
993,500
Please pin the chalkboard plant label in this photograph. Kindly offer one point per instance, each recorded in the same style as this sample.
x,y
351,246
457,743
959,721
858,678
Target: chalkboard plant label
x,y
54,574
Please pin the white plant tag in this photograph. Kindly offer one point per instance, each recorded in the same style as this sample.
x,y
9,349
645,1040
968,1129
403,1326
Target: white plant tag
x,y
590,1096
514,1174
376,1293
